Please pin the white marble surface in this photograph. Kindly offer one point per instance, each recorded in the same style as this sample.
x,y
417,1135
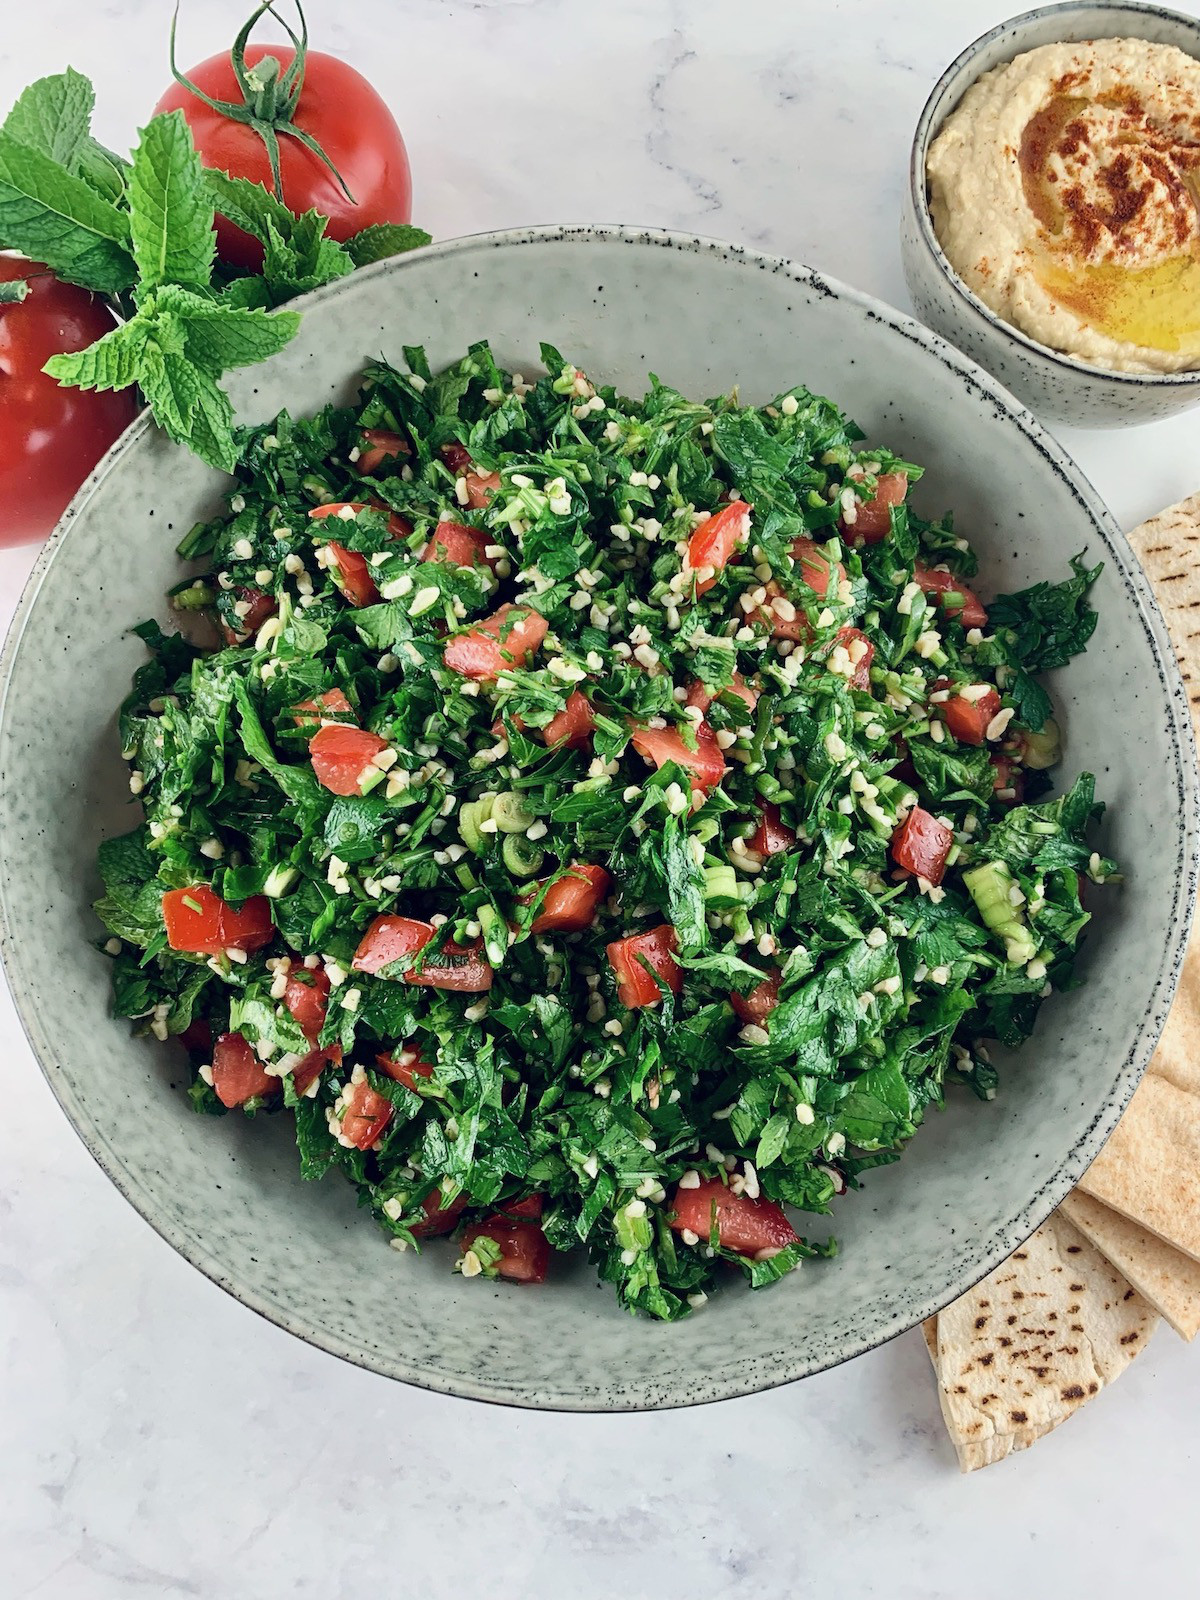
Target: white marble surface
x,y
156,1439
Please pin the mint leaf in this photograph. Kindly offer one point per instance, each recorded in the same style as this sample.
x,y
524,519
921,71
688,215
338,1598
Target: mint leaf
x,y
113,362
13,291
53,116
383,240
171,213
53,216
218,336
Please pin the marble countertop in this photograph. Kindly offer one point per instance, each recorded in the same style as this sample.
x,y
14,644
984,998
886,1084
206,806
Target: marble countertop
x,y
156,1439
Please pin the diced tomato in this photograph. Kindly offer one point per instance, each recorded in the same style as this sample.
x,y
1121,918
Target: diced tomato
x,y
573,725
405,1067
200,922
439,1219
758,1005
390,938
699,694
872,521
635,986
380,448
524,1248
480,486
772,834
352,574
237,1073
332,703
460,545
968,718
860,678
715,541
1009,783
529,1209
399,527
742,1225
921,844
310,1067
462,967
342,756
965,605
307,998
509,637
571,902
705,764
366,1114
261,606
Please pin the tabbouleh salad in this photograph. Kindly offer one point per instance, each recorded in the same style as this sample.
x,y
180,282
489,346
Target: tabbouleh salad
x,y
596,822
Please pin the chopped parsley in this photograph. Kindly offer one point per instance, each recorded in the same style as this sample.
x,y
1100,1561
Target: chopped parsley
x,y
595,821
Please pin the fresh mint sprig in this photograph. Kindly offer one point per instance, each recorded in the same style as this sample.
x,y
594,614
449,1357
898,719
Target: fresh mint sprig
x,y
142,233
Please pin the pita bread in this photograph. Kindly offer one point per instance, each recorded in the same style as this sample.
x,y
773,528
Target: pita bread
x,y
1024,1349
1168,546
1149,1171
1165,1277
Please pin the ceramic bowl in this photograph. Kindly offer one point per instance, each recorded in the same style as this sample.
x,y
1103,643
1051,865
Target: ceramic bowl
x,y
1058,387
978,1178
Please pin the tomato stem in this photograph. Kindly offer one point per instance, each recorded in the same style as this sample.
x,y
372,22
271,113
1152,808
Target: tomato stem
x,y
270,92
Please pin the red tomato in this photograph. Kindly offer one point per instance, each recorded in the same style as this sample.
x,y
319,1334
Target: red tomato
x,y
399,527
481,486
968,719
705,764
966,605
339,110
635,986
758,1005
332,703
309,1068
715,541
405,1067
872,522
342,756
1009,784
390,938
380,449
50,437
742,1225
509,637
921,844
573,725
772,834
699,694
528,1209
439,1219
571,903
860,678
237,1073
460,545
307,998
524,1248
261,606
366,1114
200,922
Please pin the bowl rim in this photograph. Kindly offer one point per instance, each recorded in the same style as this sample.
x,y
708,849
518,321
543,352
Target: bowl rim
x,y
775,1368
931,113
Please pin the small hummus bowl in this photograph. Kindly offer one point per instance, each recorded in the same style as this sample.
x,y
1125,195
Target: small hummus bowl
x,y
1057,386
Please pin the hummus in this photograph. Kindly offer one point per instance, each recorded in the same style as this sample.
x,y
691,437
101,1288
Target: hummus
x,y
1065,191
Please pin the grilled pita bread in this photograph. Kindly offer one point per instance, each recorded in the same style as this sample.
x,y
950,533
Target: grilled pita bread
x,y
1038,1338
1169,1280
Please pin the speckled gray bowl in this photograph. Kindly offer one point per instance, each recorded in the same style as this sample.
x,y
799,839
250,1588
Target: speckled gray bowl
x,y
1058,387
977,1180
